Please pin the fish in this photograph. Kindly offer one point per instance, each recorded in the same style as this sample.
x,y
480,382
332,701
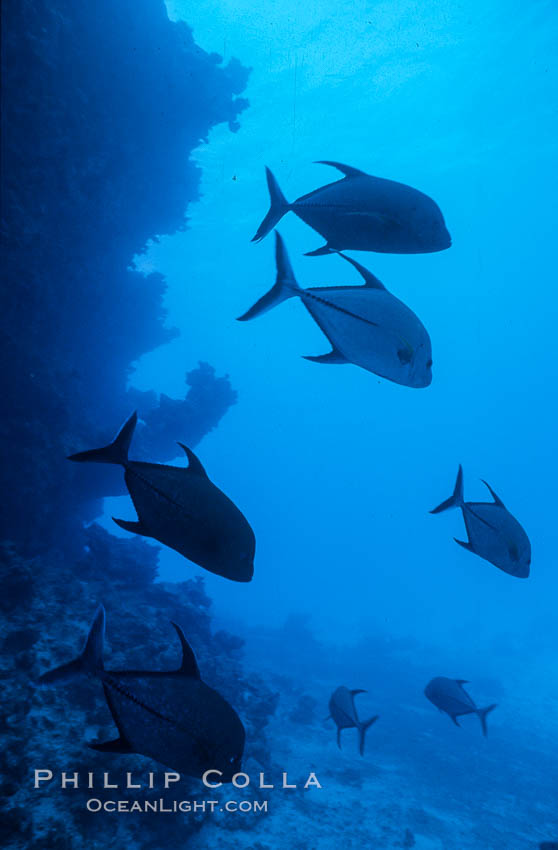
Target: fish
x,y
450,697
363,213
172,716
343,712
493,533
366,325
181,508
548,845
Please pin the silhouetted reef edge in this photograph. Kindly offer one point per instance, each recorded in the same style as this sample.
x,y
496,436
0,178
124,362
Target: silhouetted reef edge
x,y
103,105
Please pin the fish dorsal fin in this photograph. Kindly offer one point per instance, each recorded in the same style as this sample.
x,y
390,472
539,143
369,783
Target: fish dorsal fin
x,y
355,692
497,499
370,280
194,463
462,681
347,170
189,666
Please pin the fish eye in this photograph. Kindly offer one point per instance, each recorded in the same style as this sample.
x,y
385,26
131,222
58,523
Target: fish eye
x,y
429,364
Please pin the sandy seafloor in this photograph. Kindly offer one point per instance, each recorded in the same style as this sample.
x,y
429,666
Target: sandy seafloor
x,y
419,794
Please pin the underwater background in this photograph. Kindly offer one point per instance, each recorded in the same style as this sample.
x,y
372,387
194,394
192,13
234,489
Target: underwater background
x,y
135,137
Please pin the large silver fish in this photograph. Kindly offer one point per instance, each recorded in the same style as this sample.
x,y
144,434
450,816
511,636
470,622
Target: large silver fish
x,y
366,325
363,213
172,717
342,711
494,534
180,507
449,696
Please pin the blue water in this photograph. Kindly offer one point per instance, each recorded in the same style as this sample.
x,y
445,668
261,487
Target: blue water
x,y
335,468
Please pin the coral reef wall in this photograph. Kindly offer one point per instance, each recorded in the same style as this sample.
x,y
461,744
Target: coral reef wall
x,y
102,105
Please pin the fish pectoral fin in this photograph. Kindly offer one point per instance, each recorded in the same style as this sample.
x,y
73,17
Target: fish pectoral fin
x,y
320,252
465,544
332,356
119,745
189,666
194,463
454,719
134,527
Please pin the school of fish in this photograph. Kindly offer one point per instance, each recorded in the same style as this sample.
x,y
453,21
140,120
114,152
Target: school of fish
x,y
174,717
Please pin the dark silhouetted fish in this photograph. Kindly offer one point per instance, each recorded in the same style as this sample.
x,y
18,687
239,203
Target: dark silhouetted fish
x,y
182,508
344,714
172,717
363,213
494,534
366,325
450,696
548,845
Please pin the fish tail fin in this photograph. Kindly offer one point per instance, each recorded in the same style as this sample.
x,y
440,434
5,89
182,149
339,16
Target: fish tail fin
x,y
482,713
90,660
285,284
362,730
115,452
278,207
456,499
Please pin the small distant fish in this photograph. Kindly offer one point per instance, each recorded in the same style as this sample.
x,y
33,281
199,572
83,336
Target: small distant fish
x,y
548,845
343,712
494,534
172,717
363,213
449,696
182,508
366,325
